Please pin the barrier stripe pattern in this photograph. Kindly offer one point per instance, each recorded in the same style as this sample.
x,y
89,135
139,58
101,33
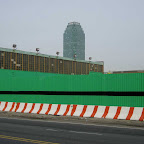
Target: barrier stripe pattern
x,y
111,112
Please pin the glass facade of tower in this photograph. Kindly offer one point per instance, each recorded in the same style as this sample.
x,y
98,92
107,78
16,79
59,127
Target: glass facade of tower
x,y
74,41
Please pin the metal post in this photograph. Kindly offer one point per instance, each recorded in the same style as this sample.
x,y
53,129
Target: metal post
x,y
57,53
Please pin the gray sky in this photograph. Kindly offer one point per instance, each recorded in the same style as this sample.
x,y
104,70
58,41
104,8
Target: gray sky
x,y
114,29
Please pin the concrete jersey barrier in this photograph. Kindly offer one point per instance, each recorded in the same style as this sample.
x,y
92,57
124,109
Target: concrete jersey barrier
x,y
110,112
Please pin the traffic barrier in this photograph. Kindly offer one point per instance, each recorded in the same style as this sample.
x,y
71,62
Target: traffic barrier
x,y
110,112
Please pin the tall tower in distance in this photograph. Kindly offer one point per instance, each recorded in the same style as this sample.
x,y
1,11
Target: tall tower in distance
x,y
74,41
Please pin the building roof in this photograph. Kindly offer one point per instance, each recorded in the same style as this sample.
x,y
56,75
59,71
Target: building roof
x,y
130,71
73,23
45,55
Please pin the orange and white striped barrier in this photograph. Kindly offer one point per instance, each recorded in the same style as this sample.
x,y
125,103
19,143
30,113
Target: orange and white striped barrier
x,y
111,112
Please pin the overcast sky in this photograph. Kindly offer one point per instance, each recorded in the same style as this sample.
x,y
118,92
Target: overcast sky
x,y
114,29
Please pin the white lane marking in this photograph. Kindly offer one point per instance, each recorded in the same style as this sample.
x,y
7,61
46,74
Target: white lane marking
x,y
74,131
85,132
52,130
126,127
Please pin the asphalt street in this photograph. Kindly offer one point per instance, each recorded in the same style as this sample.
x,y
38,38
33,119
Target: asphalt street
x,y
20,131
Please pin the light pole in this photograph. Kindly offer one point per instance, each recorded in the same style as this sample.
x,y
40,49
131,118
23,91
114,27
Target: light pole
x,y
75,62
37,50
75,56
57,53
14,46
102,65
90,58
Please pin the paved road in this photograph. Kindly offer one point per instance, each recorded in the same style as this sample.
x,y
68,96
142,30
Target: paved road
x,y
20,131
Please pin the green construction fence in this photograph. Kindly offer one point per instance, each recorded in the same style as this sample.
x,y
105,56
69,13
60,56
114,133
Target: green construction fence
x,y
14,80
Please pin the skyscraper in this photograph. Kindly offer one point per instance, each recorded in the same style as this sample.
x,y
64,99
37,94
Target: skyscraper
x,y
74,41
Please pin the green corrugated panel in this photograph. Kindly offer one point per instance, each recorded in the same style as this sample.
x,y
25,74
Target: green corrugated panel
x,y
124,82
135,101
12,80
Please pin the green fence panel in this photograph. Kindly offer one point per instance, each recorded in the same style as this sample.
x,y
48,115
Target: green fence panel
x,y
12,80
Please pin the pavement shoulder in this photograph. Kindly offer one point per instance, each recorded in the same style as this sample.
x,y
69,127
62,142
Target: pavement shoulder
x,y
73,119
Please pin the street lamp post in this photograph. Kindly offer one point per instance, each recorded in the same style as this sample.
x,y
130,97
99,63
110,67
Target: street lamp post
x,y
90,58
37,50
14,47
75,62
75,56
57,53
